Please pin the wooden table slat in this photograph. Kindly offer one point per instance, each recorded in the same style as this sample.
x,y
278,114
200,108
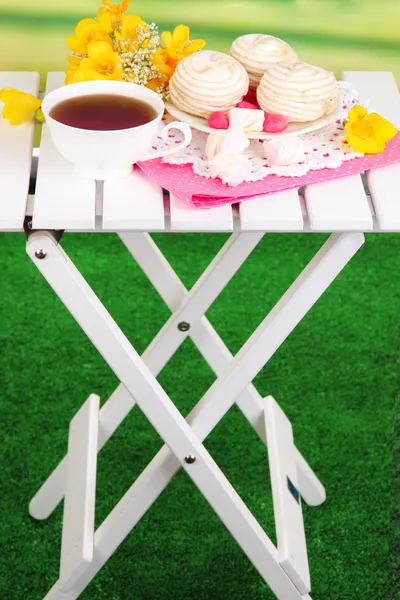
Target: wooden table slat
x,y
384,185
15,155
380,90
64,199
133,203
186,218
338,205
272,212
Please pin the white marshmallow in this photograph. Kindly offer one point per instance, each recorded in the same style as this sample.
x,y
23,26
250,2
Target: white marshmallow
x,y
232,169
284,150
233,141
258,52
207,82
248,119
301,93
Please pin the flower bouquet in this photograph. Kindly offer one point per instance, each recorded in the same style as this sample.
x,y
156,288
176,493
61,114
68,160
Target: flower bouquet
x,y
124,47
113,46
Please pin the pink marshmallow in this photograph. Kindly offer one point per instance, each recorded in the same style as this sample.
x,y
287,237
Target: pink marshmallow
x,y
218,120
275,123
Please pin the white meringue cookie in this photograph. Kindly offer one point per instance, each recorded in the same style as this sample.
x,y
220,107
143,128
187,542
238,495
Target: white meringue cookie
x,y
283,151
208,81
248,119
232,169
233,141
258,52
301,93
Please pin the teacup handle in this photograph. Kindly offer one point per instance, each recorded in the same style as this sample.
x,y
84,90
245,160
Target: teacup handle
x,y
187,138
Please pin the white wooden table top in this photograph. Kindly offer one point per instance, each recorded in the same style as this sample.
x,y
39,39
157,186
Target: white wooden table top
x,y
64,200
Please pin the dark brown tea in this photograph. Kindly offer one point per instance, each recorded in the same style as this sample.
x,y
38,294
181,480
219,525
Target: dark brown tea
x,y
103,112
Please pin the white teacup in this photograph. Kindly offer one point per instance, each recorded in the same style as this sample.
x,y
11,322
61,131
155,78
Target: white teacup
x,y
110,154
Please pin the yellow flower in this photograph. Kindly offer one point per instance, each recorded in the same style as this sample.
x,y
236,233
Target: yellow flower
x,y
18,106
87,31
368,133
128,34
160,60
357,112
102,63
178,45
74,64
116,11
129,26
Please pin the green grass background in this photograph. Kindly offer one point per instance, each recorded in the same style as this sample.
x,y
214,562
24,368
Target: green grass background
x,y
336,34
336,377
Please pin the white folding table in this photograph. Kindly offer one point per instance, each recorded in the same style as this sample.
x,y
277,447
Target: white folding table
x,y
133,207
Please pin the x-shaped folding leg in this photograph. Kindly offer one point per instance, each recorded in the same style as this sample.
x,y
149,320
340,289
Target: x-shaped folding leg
x,y
183,438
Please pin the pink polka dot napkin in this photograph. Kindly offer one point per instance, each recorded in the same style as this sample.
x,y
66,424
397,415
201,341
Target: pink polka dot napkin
x,y
201,192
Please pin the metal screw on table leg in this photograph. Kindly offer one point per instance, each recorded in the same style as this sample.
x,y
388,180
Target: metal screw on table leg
x,y
190,459
183,326
41,253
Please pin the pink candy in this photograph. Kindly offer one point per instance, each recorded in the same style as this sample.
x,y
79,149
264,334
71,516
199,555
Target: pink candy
x,y
275,123
272,123
218,120
244,104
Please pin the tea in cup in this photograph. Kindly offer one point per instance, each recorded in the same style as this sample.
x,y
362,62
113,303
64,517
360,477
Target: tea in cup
x,y
105,127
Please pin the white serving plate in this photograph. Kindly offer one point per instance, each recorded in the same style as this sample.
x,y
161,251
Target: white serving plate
x,y
293,128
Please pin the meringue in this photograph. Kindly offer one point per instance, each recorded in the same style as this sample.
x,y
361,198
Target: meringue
x,y
258,52
233,141
283,151
208,82
232,169
300,93
247,119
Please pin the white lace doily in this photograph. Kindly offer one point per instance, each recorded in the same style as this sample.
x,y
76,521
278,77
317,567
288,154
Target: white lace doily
x,y
325,148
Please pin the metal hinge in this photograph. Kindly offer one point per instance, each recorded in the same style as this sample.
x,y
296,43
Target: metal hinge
x,y
56,234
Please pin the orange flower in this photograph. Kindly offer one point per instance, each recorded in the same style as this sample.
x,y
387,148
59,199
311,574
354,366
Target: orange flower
x,y
116,11
178,45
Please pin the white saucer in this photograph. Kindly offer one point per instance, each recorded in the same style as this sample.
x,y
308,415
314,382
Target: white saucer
x,y
293,128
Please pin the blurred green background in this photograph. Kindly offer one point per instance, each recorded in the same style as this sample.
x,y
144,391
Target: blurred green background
x,y
336,34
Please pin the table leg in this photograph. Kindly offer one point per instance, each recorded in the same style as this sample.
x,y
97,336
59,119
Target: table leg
x,y
94,319
182,440
193,305
211,346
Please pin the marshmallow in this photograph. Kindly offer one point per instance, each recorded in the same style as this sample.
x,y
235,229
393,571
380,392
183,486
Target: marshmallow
x,y
301,93
208,82
232,169
258,52
233,141
284,150
247,119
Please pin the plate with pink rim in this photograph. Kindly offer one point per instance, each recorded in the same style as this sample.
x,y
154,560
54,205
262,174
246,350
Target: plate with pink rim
x,y
293,128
